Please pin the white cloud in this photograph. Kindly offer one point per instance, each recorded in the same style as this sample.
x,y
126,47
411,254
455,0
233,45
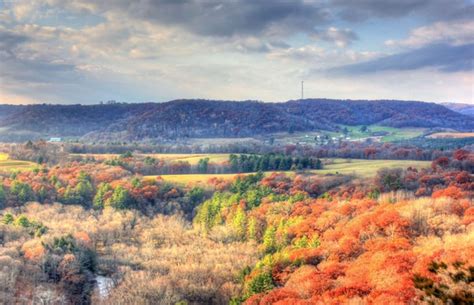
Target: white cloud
x,y
318,58
454,33
340,37
126,58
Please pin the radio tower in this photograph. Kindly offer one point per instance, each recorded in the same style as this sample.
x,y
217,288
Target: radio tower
x,y
302,89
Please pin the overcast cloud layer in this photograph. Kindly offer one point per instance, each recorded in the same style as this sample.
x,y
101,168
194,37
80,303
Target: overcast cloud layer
x,y
87,51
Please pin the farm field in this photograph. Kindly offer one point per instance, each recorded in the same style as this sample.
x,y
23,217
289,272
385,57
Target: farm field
x,y
451,135
14,165
193,178
193,159
359,168
393,134
365,168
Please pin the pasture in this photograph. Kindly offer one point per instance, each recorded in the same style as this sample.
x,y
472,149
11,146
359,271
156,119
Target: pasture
x,y
355,167
365,168
387,134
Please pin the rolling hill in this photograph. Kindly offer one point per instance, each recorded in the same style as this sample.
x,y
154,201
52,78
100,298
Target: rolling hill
x,y
466,109
215,119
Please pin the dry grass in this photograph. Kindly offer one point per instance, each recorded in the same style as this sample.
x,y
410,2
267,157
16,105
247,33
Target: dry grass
x,y
193,159
159,260
193,178
451,135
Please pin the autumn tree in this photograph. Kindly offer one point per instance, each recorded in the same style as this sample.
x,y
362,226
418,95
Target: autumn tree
x,y
269,239
239,223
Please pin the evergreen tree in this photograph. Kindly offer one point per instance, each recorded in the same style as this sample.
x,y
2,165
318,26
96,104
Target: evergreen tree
x,y
120,198
84,192
8,218
234,163
22,192
203,165
99,198
42,194
3,197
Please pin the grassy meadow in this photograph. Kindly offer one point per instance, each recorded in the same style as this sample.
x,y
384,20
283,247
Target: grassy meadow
x,y
358,168
365,168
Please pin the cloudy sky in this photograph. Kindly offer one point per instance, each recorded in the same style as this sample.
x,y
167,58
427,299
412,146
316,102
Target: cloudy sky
x,y
87,51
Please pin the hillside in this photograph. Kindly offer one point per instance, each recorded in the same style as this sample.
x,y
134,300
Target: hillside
x,y
466,109
215,119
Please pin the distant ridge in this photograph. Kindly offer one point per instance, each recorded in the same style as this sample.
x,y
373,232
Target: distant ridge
x,y
215,118
466,109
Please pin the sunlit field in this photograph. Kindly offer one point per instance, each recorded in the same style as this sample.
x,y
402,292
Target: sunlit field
x,y
14,165
193,159
365,168
358,168
193,178
451,135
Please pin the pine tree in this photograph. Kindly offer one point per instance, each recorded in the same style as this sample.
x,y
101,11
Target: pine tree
x,y
99,198
120,198
84,192
3,197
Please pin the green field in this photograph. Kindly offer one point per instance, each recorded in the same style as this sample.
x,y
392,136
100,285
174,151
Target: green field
x,y
358,168
7,165
354,133
394,134
365,168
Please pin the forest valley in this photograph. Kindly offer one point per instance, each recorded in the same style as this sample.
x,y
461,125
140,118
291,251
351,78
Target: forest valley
x,y
77,229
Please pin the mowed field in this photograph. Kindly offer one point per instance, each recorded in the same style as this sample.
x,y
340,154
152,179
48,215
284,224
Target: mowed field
x,y
194,178
193,159
7,165
365,168
451,135
358,168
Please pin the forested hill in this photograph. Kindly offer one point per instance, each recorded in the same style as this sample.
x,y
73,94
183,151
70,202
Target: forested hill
x,y
206,118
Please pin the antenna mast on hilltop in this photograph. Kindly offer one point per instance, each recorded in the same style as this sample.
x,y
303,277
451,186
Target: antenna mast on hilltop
x,y
302,89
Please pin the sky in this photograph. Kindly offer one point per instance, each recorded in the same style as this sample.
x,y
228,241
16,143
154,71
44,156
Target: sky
x,y
88,51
